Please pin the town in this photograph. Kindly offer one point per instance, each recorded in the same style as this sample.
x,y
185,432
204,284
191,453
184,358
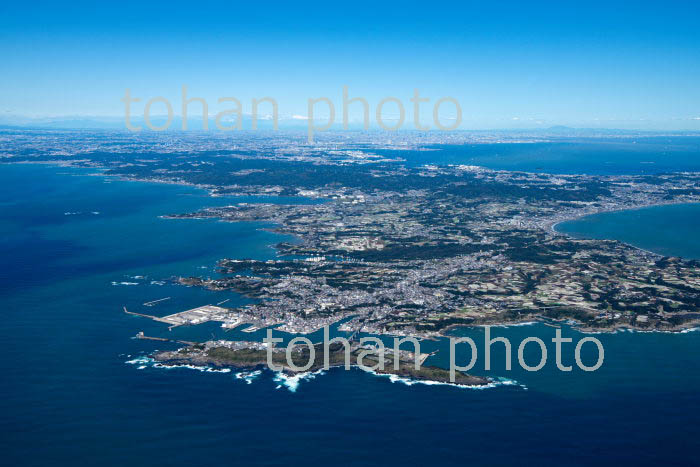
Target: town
x,y
390,247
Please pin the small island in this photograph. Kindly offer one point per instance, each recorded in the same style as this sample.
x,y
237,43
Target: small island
x,y
249,356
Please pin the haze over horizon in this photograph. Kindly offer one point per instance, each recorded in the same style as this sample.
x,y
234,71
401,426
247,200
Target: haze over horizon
x,y
510,66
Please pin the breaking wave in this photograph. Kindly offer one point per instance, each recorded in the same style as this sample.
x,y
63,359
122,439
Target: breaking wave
x,y
291,382
144,362
248,376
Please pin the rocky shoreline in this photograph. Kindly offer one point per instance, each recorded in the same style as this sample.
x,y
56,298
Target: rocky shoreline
x,y
252,359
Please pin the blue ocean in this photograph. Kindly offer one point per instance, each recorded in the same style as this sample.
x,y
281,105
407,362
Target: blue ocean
x,y
77,388
645,154
666,230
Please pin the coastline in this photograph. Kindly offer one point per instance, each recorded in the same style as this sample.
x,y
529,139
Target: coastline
x,y
175,359
550,226
577,326
291,380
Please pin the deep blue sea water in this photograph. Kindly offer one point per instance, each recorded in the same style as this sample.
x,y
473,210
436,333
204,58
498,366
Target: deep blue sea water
x,y
68,394
597,156
667,230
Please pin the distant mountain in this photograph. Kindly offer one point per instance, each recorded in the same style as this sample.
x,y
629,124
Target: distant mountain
x,y
284,123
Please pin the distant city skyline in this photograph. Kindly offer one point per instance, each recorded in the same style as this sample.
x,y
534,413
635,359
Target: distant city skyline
x,y
512,65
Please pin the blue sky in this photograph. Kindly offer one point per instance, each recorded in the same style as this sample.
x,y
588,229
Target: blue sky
x,y
510,64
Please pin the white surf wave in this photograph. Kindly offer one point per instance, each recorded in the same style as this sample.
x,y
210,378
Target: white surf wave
x,y
145,362
513,325
206,369
141,361
291,382
248,376
410,382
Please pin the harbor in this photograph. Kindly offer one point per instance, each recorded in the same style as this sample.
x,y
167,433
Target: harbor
x,y
199,315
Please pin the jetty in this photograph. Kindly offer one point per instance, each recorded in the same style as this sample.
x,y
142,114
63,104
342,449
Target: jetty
x,y
141,335
155,318
153,302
